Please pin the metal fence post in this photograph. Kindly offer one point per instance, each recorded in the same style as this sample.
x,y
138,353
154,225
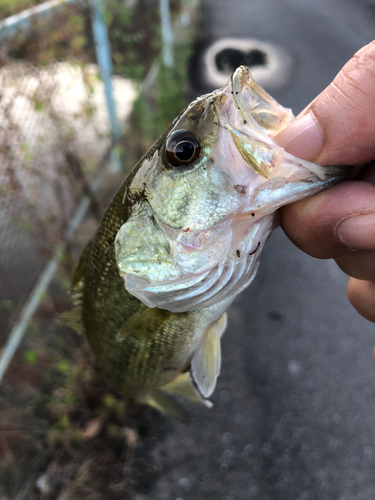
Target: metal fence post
x,y
103,53
166,32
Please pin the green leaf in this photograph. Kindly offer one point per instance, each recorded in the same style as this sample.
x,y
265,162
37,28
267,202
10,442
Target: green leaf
x,y
30,357
63,366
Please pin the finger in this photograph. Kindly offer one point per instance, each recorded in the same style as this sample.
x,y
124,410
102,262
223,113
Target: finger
x,y
334,222
359,265
338,127
361,295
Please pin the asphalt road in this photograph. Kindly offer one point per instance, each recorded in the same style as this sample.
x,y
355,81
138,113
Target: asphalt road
x,y
294,415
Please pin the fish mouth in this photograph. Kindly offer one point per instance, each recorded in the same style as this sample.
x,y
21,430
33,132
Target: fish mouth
x,y
256,105
253,120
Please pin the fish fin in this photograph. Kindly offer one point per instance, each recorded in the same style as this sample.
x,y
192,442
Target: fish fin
x,y
222,323
167,404
143,323
206,362
78,277
73,319
183,385
80,270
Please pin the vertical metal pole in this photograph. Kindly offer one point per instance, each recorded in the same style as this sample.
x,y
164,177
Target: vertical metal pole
x,y
166,32
103,54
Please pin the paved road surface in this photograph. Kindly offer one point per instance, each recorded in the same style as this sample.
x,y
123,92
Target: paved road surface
x,y
294,415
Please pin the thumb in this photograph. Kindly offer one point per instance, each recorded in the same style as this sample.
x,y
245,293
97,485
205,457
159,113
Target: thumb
x,y
338,127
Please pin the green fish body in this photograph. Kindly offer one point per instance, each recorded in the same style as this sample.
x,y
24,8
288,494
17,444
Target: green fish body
x,y
182,238
137,348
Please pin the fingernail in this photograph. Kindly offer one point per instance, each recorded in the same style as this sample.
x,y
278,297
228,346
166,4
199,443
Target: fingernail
x,y
358,232
303,138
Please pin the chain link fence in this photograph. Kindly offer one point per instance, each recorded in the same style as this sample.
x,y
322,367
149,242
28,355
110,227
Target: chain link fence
x,y
54,138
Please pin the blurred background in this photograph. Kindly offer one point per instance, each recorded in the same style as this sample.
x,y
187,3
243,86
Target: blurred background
x,y
85,89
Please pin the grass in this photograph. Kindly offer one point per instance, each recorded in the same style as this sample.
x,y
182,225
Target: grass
x,y
11,7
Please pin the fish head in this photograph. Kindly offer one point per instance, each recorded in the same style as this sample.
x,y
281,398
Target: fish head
x,y
204,199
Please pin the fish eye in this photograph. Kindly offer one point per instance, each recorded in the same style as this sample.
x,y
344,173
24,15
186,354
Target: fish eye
x,y
182,148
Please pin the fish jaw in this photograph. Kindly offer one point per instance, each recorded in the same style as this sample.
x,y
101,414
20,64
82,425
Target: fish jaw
x,y
262,171
229,275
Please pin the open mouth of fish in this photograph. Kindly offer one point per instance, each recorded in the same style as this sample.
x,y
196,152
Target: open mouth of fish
x,y
213,258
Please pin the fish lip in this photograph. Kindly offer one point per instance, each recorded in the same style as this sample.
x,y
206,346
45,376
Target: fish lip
x,y
242,78
239,79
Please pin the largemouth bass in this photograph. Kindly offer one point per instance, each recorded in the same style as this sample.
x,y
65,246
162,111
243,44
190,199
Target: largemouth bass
x,y
182,237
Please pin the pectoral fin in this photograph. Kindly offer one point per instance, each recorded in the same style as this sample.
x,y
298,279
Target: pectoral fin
x,y
73,319
79,274
166,403
183,386
206,362
143,323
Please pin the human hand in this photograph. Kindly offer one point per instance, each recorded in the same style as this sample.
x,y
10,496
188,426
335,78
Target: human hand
x,y
338,128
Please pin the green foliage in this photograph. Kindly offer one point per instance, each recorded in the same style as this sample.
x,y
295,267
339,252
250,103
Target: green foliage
x,y
24,149
133,35
153,111
9,7
109,400
63,366
171,87
25,224
64,423
112,430
50,38
38,105
7,305
34,330
30,357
